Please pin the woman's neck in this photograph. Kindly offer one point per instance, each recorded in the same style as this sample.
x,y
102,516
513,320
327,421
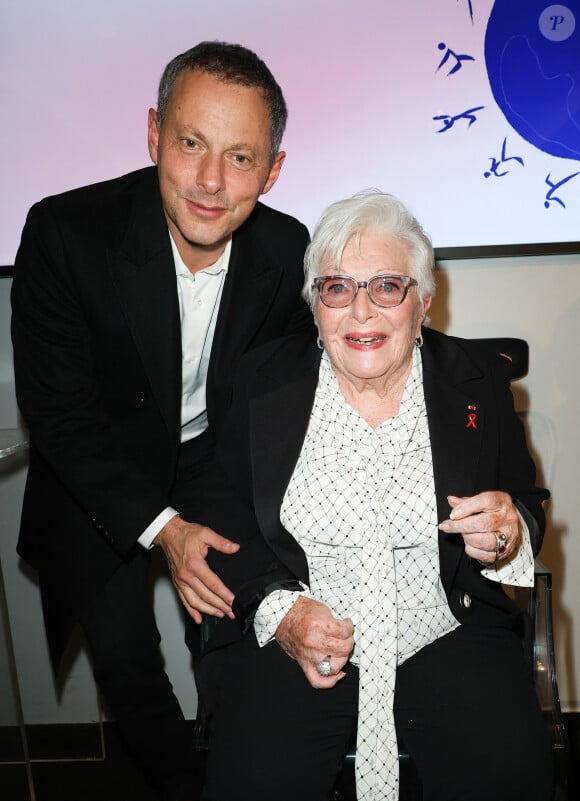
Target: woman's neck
x,y
376,400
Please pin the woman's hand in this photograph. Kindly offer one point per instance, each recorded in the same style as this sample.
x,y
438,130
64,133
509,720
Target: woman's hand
x,y
481,520
310,634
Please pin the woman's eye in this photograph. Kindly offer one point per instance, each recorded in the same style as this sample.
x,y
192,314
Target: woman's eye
x,y
387,287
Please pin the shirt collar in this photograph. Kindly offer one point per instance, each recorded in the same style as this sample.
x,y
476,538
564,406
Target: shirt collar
x,y
219,266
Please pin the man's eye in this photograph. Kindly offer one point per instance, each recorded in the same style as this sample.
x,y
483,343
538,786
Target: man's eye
x,y
190,143
241,159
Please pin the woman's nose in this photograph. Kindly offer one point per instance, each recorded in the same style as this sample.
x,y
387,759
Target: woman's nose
x,y
362,305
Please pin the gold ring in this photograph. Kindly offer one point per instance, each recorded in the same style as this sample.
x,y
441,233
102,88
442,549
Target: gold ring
x,y
500,542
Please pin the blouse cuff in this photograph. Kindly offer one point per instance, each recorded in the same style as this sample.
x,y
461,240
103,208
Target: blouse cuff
x,y
271,612
517,571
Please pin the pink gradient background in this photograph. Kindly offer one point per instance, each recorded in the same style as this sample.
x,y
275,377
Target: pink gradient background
x,y
361,84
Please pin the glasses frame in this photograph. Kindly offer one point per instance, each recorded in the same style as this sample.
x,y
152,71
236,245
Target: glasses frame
x,y
406,280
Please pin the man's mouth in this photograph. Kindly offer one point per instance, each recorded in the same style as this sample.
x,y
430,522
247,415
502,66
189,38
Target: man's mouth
x,y
203,207
204,210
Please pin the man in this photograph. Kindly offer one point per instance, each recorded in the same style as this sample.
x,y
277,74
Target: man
x,y
133,300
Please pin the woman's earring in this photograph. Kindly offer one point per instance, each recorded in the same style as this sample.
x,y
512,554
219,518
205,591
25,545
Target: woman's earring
x,y
419,341
320,343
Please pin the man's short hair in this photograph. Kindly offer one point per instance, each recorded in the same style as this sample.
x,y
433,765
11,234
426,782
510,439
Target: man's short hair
x,y
231,63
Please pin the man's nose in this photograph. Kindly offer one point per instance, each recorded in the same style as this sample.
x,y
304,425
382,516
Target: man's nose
x,y
210,175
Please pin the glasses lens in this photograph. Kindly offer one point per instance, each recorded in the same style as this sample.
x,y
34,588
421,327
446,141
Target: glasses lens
x,y
337,292
387,290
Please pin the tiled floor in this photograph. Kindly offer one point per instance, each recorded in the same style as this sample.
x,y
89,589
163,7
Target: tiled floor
x,y
115,779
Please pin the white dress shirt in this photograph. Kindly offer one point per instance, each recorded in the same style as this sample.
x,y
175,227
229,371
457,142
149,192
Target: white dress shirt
x,y
199,296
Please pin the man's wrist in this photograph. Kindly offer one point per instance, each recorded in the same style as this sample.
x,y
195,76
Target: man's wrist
x,y
147,538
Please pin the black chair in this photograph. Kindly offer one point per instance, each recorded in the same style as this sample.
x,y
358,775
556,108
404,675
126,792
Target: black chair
x,y
539,606
545,676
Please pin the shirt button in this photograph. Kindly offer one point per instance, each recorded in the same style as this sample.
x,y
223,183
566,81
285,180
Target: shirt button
x,y
465,600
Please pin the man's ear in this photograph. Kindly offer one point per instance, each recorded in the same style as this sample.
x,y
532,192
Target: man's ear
x,y
274,172
152,134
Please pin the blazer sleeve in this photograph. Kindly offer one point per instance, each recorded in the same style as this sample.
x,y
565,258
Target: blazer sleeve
x,y
256,569
58,388
517,471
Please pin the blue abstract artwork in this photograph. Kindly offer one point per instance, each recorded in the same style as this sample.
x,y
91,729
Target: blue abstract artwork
x,y
532,56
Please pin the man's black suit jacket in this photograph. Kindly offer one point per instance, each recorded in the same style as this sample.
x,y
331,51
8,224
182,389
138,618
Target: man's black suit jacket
x,y
97,354
262,438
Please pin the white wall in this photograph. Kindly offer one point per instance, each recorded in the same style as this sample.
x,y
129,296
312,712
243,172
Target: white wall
x,y
536,298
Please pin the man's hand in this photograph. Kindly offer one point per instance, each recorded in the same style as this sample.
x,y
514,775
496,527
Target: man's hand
x,y
309,633
186,546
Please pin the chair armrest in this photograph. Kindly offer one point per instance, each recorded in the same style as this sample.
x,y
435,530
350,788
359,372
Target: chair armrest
x,y
545,676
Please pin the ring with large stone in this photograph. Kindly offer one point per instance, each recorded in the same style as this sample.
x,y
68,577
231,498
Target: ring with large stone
x,y
324,667
500,542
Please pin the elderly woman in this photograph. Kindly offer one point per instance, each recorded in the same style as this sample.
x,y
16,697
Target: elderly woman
x,y
379,484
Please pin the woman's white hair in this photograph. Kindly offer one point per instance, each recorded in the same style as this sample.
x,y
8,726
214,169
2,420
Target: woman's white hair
x,y
350,218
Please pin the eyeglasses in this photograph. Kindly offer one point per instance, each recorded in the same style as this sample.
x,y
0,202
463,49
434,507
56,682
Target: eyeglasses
x,y
386,291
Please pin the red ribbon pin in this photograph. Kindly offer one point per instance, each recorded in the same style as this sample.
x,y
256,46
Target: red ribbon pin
x,y
471,417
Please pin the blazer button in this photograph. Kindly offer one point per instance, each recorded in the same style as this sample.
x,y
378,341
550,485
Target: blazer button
x,y
141,397
465,600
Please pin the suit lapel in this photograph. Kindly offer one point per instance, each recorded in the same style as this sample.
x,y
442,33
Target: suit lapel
x,y
250,285
143,272
278,423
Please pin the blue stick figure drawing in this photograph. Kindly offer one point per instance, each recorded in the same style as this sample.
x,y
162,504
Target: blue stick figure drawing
x,y
449,121
470,7
550,196
449,53
496,163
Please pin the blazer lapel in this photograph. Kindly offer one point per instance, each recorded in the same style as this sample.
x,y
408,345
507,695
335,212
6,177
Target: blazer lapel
x,y
456,427
143,272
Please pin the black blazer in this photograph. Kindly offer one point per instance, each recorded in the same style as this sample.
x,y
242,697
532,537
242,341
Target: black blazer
x,y
263,436
97,354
